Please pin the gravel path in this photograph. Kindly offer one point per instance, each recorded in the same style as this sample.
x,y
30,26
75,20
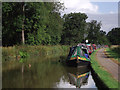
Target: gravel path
x,y
108,64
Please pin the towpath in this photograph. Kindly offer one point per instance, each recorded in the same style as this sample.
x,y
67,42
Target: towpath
x,y
108,64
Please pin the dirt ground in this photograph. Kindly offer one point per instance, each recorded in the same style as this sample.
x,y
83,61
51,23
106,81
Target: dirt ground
x,y
108,64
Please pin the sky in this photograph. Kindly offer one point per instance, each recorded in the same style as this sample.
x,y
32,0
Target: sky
x,y
106,12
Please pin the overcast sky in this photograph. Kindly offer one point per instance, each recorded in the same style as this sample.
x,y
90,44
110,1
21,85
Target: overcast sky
x,y
106,12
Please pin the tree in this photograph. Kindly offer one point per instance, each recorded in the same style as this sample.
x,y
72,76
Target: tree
x,y
0,23
103,38
40,23
11,23
94,31
114,36
47,25
95,35
23,12
73,28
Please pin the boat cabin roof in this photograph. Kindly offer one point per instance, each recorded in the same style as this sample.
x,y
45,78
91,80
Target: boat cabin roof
x,y
78,50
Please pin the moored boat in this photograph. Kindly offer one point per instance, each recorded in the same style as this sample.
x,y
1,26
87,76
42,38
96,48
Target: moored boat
x,y
90,48
78,56
94,47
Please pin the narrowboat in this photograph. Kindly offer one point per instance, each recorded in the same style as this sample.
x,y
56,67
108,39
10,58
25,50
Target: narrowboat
x,y
90,48
78,56
94,47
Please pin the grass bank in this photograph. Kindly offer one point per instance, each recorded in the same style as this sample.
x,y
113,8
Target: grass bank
x,y
102,74
113,53
18,52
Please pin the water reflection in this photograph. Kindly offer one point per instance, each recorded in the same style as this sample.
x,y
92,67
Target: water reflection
x,y
41,74
46,74
77,78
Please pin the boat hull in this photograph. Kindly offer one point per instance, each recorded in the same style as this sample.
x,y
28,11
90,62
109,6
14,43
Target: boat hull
x,y
76,63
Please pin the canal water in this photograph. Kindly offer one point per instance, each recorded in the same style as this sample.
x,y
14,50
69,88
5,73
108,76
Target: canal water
x,y
45,72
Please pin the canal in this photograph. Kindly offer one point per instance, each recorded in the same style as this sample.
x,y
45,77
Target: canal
x,y
45,72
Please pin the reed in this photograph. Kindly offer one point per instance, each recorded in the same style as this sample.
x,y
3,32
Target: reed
x,y
18,52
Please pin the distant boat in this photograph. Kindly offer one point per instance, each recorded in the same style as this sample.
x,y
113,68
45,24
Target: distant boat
x,y
78,56
90,48
94,47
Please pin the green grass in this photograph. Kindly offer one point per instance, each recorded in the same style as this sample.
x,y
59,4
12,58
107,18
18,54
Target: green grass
x,y
17,52
114,53
103,74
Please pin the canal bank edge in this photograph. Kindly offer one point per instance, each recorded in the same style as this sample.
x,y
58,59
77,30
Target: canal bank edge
x,y
99,83
25,51
101,75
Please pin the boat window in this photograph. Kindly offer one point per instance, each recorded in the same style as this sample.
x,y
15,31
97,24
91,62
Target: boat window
x,y
81,52
75,52
85,51
89,48
71,51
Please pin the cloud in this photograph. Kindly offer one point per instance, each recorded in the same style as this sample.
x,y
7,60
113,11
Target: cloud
x,y
112,12
90,84
64,83
108,21
80,6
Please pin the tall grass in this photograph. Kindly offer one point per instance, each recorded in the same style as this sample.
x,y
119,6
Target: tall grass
x,y
102,73
17,52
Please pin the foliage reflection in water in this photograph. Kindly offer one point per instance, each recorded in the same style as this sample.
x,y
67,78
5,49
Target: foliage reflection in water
x,y
45,73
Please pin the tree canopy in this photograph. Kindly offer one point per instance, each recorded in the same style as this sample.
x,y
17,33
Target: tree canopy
x,y
95,34
43,24
114,36
73,28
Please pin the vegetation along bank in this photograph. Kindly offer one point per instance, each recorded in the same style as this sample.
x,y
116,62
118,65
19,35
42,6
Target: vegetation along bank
x,y
113,53
21,52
